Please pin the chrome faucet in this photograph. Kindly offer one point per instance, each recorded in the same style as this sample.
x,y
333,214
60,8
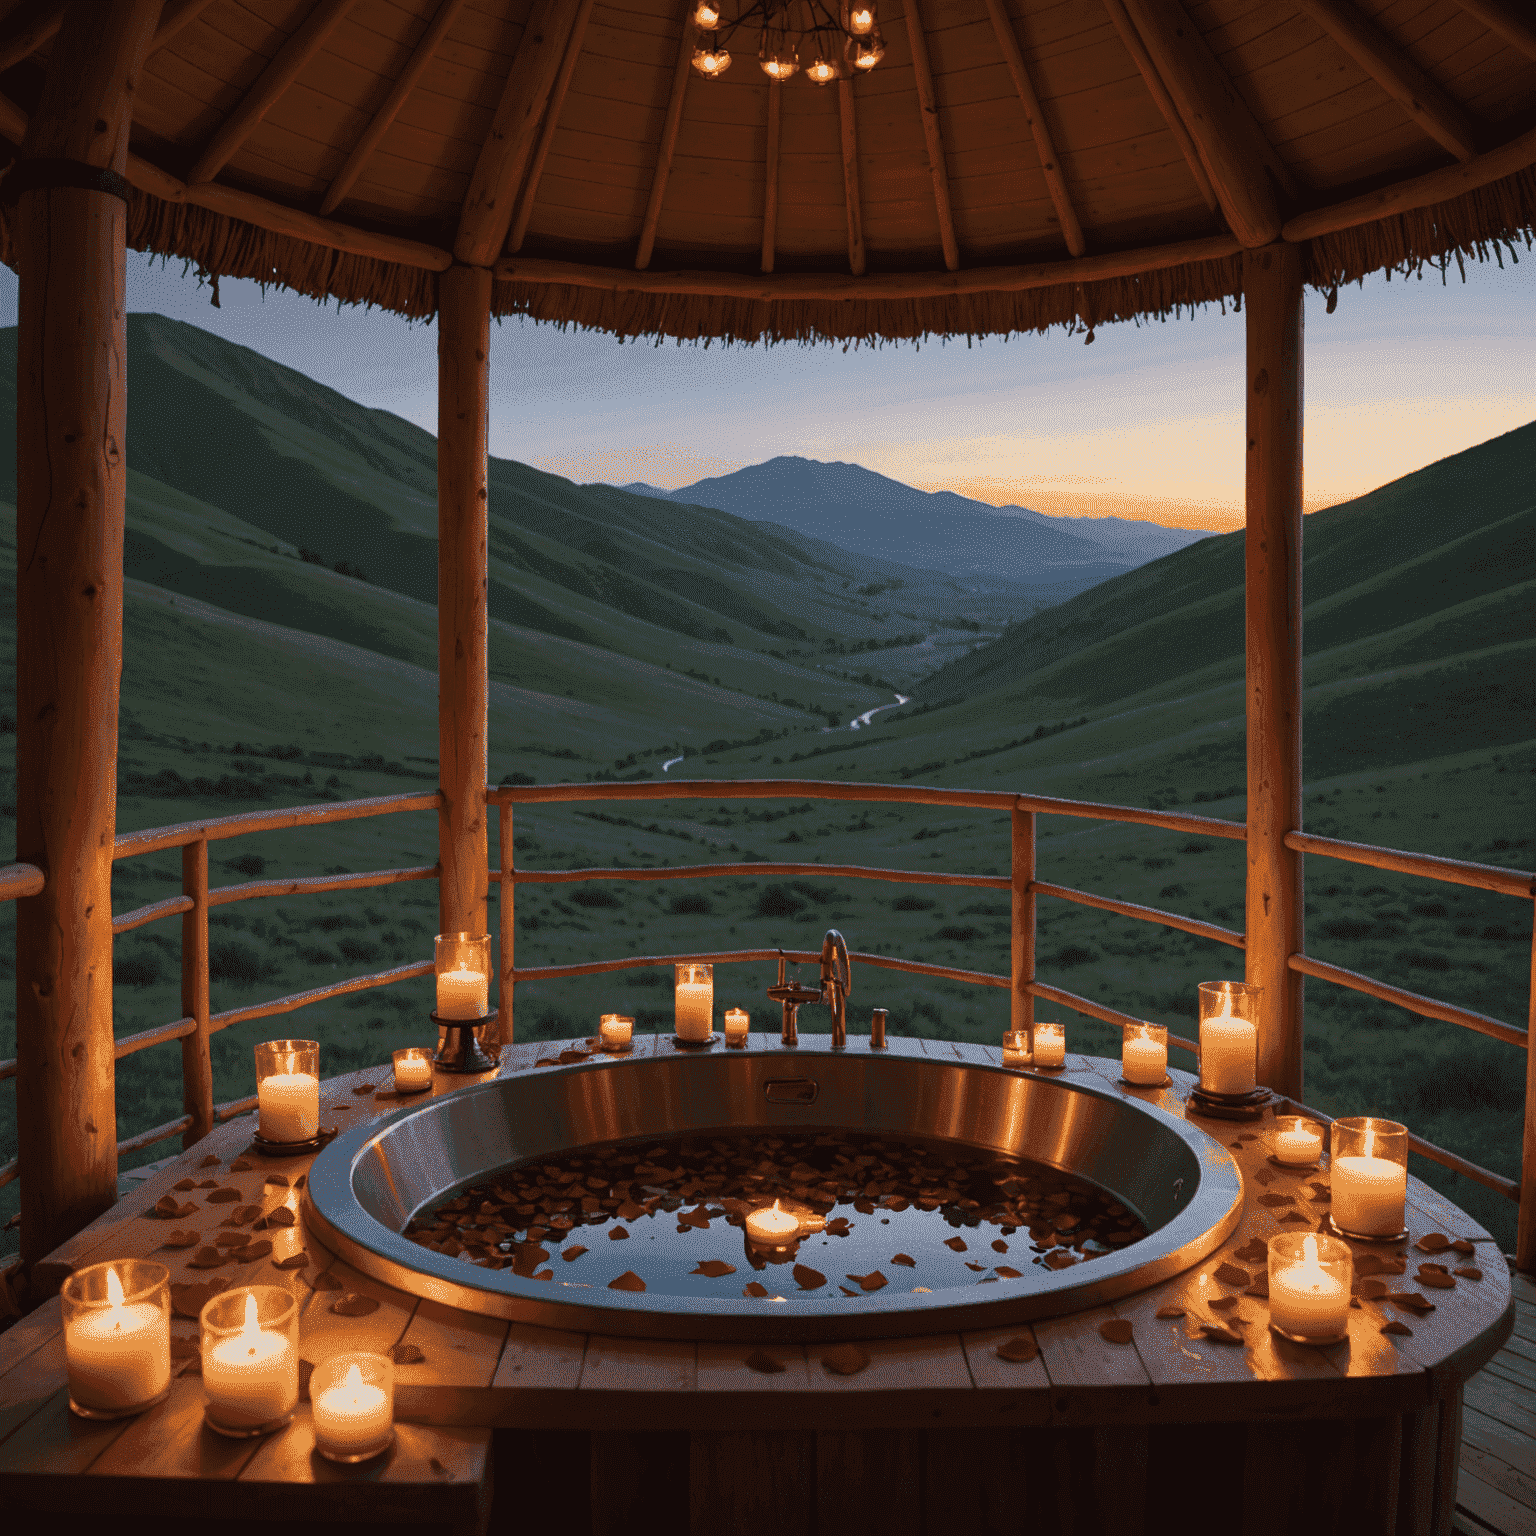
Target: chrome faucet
x,y
836,984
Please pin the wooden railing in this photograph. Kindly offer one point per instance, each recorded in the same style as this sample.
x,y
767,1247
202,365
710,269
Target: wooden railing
x,y
198,1024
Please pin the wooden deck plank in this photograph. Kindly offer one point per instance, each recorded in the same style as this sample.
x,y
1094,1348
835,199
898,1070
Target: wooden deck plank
x,y
170,1442
1492,1506
1490,1469
724,1368
540,1359
323,1332
1495,1438
619,1365
1092,1380
1503,1401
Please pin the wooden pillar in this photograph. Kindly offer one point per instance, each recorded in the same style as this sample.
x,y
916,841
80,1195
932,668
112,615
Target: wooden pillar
x,y
1021,1012
463,404
68,226
1272,301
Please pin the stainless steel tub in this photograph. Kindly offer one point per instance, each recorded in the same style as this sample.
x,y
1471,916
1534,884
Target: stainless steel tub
x,y
367,1185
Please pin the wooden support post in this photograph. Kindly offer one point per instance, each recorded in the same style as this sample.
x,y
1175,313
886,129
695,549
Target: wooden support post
x,y
771,176
1525,1241
1021,1012
1272,301
71,482
852,200
463,402
666,149
196,1063
506,915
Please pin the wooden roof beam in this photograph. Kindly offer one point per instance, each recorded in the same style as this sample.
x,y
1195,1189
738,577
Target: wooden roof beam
x,y
488,206
530,190
1499,16
421,55
176,15
771,177
928,102
852,202
23,40
1050,162
1244,169
273,81
1431,108
1159,93
666,149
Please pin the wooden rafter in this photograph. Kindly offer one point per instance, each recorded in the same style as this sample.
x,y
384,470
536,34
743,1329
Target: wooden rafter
x,y
852,201
176,15
771,177
1050,161
489,204
1499,16
1443,119
1159,93
530,190
273,81
421,55
929,106
666,149
1242,164
22,41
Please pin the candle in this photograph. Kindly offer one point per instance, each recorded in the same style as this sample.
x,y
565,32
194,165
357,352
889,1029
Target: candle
x,y
413,1070
118,1355
289,1104
1305,1300
1229,1055
616,1032
773,1226
463,994
695,1002
1016,1048
251,1376
353,1418
1144,1056
1298,1142
1369,1194
737,1023
1050,1045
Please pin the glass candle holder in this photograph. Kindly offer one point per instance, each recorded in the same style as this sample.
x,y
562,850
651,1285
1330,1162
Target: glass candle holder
x,y
250,1350
288,1091
413,1069
463,963
1229,1037
738,1024
117,1337
1370,1177
1310,1275
695,1002
353,1401
1297,1141
1016,1048
1050,1046
615,1032
1144,1055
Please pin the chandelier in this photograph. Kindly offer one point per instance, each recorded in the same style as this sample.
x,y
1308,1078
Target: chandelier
x,y
828,40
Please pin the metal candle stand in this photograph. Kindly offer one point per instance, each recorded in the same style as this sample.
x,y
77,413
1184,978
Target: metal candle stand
x,y
459,1044
1230,1106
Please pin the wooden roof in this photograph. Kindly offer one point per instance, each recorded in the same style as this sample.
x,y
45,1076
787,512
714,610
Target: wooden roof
x,y
1010,164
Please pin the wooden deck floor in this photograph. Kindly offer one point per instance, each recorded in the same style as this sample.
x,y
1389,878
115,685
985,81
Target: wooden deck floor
x,y
1497,1491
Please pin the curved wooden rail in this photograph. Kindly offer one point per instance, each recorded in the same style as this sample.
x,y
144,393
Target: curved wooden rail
x,y
127,1045
775,871
151,913
18,880
1144,914
1482,877
309,885
317,995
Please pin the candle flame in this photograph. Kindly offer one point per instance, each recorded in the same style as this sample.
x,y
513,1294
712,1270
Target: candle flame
x,y
353,1385
250,1333
1309,1250
114,1290
776,1207
1369,1150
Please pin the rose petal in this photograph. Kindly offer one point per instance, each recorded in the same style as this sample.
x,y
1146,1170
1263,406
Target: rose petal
x,y
325,1281
180,1240
406,1354
1021,1348
1169,1311
752,1288
299,1260
713,1269
845,1360
350,1304
572,1253
207,1258
1009,1274
904,1259
628,1281
764,1363
1117,1330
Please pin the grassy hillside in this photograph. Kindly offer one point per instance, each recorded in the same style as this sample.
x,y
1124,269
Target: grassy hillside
x,y
255,677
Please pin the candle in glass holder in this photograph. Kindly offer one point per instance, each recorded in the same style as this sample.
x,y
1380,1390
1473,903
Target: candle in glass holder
x,y
1050,1045
1144,1055
413,1069
288,1090
1016,1048
1370,1177
250,1359
1310,1275
354,1406
463,966
695,1002
737,1023
1298,1141
773,1226
1229,1037
117,1337
615,1031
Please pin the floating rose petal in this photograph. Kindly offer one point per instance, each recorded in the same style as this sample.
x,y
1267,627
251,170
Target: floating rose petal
x,y
628,1281
713,1269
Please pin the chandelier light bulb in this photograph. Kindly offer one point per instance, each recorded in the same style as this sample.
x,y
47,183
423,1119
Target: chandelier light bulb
x,y
821,72
706,15
867,52
861,19
780,65
711,61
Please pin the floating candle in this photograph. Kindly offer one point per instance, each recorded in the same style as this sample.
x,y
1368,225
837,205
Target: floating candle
x,y
353,1416
251,1373
1050,1045
117,1351
773,1226
615,1032
737,1023
695,1003
1309,1291
413,1069
1144,1055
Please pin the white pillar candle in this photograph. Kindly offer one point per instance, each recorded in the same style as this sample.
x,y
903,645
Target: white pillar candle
x,y
1301,1147
1016,1048
413,1072
289,1105
1050,1045
463,994
615,1032
1369,1194
353,1417
773,1226
1229,1054
695,1010
117,1356
251,1377
1305,1299
737,1024
1143,1060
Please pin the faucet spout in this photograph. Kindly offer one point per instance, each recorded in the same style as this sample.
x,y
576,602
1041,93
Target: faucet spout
x,y
836,984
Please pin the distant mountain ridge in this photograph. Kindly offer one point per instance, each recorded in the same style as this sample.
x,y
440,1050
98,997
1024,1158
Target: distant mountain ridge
x,y
874,515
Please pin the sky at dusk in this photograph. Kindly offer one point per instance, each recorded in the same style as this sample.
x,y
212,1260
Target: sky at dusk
x,y
1147,421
